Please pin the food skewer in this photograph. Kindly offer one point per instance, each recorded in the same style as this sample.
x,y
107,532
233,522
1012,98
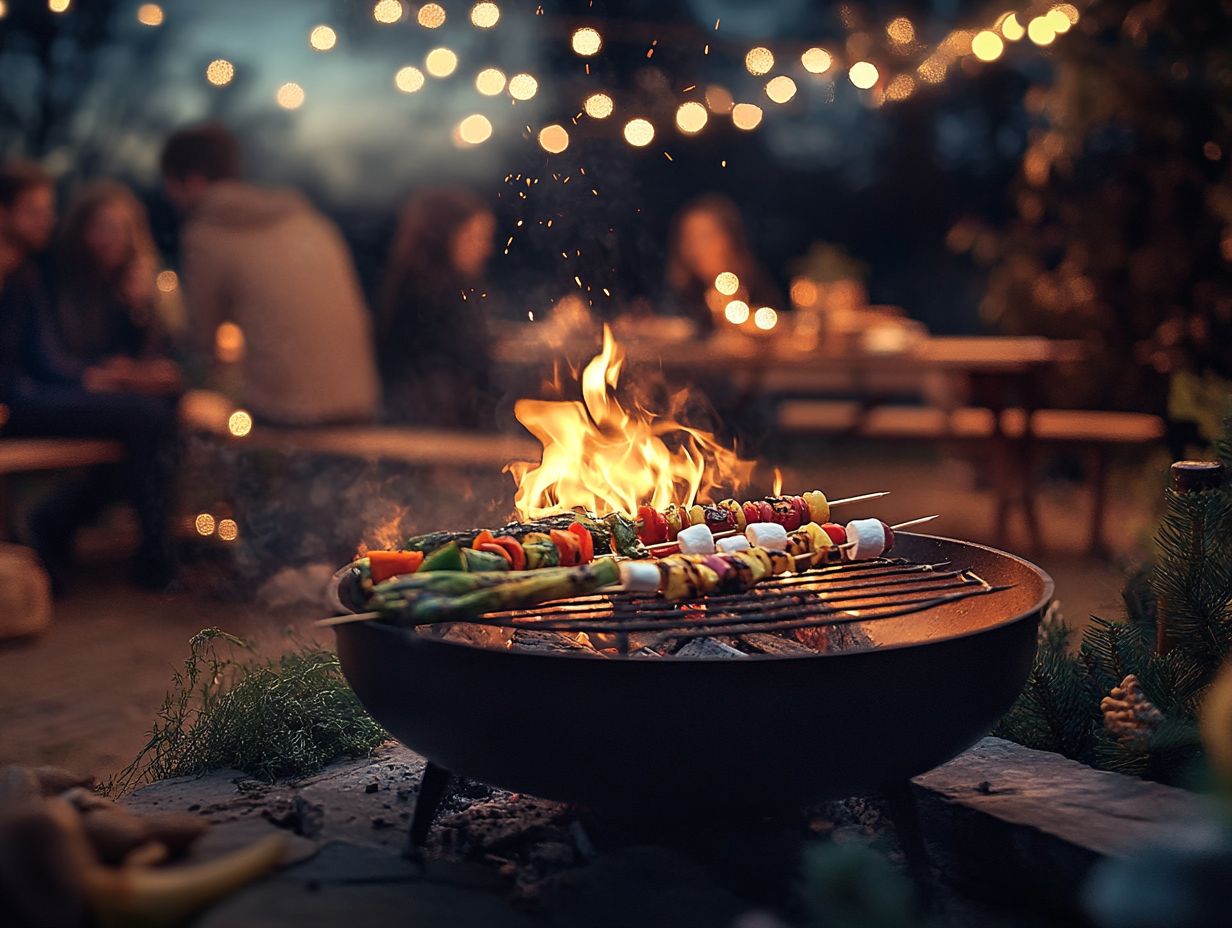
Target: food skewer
x,y
697,539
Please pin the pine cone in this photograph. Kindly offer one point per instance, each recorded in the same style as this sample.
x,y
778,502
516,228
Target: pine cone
x,y
1128,715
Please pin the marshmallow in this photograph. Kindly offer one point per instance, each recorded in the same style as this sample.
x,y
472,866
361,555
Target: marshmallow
x,y
768,535
696,539
869,538
639,576
733,543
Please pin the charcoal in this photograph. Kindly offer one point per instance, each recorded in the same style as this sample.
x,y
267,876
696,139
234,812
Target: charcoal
x,y
525,639
766,643
710,648
472,633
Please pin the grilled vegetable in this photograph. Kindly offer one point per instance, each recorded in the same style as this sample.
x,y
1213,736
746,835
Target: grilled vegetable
x,y
585,542
478,560
385,564
517,554
446,557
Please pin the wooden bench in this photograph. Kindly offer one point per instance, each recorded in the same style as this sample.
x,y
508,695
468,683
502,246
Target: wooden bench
x,y
1011,432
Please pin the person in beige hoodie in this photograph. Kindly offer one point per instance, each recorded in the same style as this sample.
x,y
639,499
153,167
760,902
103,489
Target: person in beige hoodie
x,y
267,261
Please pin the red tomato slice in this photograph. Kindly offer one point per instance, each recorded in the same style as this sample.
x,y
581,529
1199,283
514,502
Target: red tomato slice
x,y
483,538
517,554
837,533
567,545
492,547
586,543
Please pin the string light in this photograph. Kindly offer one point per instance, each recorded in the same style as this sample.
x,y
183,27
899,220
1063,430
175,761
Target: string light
x,y
598,106
475,129
737,312
691,117
1040,31
220,72
1011,28
149,14
167,281
816,60
387,12
523,86
431,16
490,81
553,139
901,31
322,38
290,96
441,62
409,79
228,530
780,89
485,15
727,283
765,318
586,41
987,45
759,61
863,74
239,423
639,132
746,116
204,524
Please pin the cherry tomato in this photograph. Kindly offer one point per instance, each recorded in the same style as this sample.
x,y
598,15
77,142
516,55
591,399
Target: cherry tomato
x,y
801,507
889,538
765,512
648,526
837,533
752,513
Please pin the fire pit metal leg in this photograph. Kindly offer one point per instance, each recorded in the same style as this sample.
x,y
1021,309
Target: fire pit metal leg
x,y
433,789
905,814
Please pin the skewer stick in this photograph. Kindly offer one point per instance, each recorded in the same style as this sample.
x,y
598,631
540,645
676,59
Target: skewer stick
x,y
858,499
900,525
346,619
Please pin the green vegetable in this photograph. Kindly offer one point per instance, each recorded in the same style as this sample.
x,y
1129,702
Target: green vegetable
x,y
446,557
482,560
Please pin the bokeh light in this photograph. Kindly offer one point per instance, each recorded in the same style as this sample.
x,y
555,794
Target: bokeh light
x,y
932,70
167,281
228,529
485,15
598,106
780,89
727,283
1069,11
441,62
746,116
719,99
322,38
387,11
759,61
59,6
290,96
765,318
737,312
1012,29
901,31
863,74
228,343
1058,20
204,524
220,72
987,45
803,292
553,139
475,129
523,86
586,41
900,88
490,81
816,60
639,132
431,16
1040,31
409,79
239,423
691,117
150,14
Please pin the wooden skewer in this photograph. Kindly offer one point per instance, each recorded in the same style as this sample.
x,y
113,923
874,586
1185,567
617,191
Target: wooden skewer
x,y
346,619
858,499
901,525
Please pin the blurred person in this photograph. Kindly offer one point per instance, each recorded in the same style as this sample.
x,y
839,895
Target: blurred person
x,y
432,327
47,392
268,262
708,238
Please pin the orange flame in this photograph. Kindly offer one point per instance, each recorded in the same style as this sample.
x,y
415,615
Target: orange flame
x,y
601,457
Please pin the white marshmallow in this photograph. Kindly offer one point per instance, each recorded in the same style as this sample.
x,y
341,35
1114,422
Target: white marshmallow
x,y
733,543
696,539
640,576
769,535
869,537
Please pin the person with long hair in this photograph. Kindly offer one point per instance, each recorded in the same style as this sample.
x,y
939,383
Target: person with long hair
x,y
432,328
708,238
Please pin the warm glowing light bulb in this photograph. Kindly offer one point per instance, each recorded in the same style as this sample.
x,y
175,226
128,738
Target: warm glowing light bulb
x,y
220,72
901,31
228,343
490,81
691,117
727,283
553,139
816,60
58,6
523,86
1058,20
586,41
431,16
387,11
780,89
598,106
639,132
1040,31
475,129
239,423
290,96
409,79
441,62
737,312
322,38
204,524
485,15
746,116
765,318
987,45
150,14
167,281
1011,28
863,74
228,530
759,61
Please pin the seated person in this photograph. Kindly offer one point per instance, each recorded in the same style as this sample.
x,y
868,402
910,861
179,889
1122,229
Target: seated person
x,y
268,262
432,326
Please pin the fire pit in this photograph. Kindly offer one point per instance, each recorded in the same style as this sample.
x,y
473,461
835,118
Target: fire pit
x,y
937,662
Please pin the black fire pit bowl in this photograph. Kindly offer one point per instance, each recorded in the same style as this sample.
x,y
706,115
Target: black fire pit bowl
x,y
743,734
